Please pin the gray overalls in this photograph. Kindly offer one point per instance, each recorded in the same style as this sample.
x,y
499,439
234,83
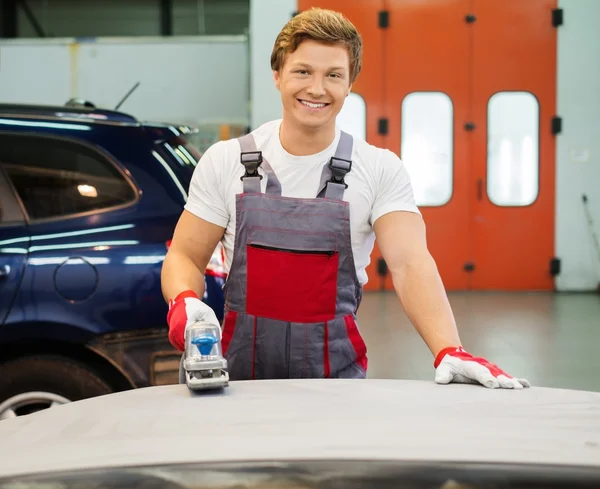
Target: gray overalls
x,y
292,293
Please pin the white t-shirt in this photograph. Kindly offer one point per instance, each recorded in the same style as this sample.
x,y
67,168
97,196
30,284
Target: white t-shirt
x,y
377,184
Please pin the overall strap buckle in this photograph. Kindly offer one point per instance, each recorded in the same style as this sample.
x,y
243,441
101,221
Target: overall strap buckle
x,y
251,161
339,168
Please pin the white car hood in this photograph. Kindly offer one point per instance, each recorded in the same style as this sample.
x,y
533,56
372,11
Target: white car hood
x,y
306,420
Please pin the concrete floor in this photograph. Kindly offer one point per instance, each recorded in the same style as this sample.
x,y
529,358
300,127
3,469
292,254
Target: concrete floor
x,y
553,340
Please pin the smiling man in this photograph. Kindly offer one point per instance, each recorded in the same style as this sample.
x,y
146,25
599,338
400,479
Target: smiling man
x,y
297,204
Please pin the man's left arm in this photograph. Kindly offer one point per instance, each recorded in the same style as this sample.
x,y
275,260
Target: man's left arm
x,y
402,241
401,237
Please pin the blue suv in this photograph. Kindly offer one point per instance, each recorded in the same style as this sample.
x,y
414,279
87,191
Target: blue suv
x,y
89,200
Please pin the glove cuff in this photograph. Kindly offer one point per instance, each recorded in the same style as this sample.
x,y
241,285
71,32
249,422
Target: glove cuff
x,y
440,356
181,296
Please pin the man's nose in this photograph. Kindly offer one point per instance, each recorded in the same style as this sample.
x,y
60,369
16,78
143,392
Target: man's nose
x,y
316,87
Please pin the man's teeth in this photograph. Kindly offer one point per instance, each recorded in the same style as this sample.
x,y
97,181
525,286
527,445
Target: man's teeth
x,y
311,105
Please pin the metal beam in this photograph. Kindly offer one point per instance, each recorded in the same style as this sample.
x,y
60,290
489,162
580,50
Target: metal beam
x,y
8,19
166,17
32,18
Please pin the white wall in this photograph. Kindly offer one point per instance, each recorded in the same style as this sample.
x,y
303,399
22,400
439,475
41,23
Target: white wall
x,y
182,79
578,146
267,17
18,81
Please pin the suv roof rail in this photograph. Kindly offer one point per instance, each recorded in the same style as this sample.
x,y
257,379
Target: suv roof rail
x,y
74,109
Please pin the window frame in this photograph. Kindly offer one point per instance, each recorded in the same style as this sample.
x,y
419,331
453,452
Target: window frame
x,y
537,141
98,151
452,141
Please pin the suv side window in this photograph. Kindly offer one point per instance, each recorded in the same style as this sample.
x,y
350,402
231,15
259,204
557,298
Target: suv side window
x,y
58,178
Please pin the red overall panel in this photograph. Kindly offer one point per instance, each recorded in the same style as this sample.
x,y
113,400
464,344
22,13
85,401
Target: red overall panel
x,y
514,101
369,84
427,50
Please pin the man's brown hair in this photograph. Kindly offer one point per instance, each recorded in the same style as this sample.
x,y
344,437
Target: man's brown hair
x,y
326,26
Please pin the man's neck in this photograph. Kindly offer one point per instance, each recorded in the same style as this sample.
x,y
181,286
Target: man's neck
x,y
300,142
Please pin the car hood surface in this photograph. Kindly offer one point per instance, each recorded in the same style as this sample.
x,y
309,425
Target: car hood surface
x,y
279,420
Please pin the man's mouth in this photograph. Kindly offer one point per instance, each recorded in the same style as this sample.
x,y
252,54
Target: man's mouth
x,y
313,105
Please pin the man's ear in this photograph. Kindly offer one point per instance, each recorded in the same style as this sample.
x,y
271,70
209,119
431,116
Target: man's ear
x,y
276,79
349,89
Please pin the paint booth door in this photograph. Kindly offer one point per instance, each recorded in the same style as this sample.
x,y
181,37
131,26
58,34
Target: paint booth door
x,y
427,105
417,75
467,88
470,96
513,104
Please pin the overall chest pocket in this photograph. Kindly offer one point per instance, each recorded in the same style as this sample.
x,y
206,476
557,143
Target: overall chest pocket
x,y
292,276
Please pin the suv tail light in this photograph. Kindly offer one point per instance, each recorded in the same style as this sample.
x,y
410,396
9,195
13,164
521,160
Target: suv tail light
x,y
216,264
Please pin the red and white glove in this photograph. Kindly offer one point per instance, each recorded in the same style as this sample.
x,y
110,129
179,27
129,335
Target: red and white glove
x,y
454,364
184,310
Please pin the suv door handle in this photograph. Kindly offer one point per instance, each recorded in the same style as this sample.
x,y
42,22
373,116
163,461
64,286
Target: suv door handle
x,y
4,271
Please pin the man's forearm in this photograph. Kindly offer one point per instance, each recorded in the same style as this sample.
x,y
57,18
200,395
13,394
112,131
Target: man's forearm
x,y
179,273
423,297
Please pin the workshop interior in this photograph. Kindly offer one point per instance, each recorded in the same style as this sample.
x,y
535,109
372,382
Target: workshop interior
x,y
106,107
493,112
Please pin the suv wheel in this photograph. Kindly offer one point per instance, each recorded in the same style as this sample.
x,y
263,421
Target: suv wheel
x,y
30,384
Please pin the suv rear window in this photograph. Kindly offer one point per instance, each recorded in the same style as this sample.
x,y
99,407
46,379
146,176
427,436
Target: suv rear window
x,y
57,178
186,153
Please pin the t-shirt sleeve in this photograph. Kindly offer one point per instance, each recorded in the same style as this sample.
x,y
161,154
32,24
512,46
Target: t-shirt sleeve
x,y
205,196
393,188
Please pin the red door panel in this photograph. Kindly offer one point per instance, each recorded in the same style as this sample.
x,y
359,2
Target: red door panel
x,y
514,49
427,47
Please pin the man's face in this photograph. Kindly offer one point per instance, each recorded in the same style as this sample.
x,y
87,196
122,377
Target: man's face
x,y
314,82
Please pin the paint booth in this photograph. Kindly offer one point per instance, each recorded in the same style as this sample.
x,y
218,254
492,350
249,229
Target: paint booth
x,y
492,107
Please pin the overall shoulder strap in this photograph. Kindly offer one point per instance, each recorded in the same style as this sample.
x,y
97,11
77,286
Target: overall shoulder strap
x,y
252,159
332,184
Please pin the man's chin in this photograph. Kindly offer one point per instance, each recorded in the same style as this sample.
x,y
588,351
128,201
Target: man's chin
x,y
313,123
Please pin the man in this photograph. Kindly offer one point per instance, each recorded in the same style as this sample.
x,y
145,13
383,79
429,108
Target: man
x,y
297,205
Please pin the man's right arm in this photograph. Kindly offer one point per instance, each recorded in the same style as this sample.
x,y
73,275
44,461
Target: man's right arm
x,y
193,243
200,228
